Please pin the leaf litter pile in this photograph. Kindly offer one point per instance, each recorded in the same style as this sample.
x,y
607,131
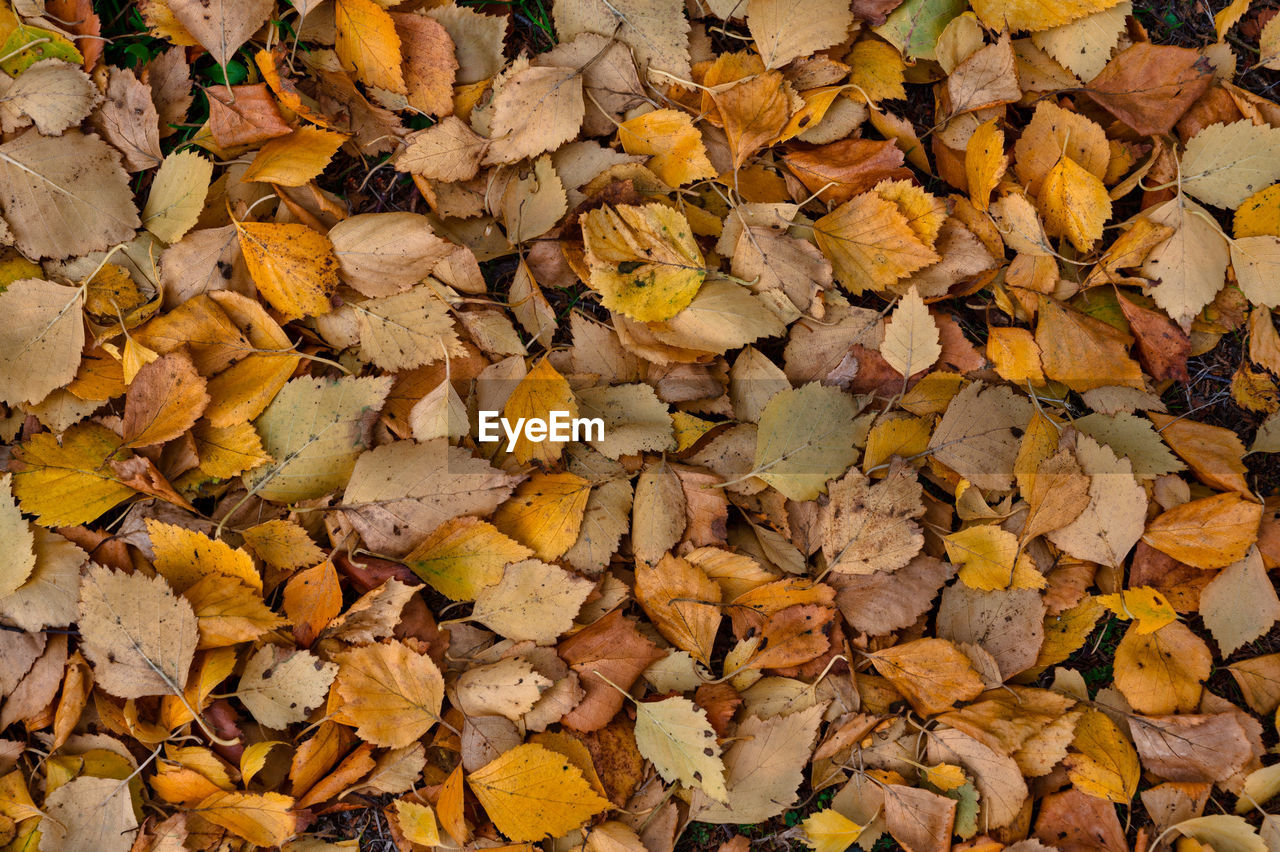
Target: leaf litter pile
x,y
899,522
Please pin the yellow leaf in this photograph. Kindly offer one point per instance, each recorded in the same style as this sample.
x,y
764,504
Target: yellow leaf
x,y
1106,764
367,44
293,266
870,243
1035,15
1015,355
229,612
674,146
226,452
681,599
878,70
391,694
463,556
1075,204
184,557
255,757
65,480
1144,605
539,393
265,819
984,162
282,545
531,793
945,776
417,823
925,212
177,195
545,513
1161,672
1209,533
989,559
901,436
932,674
1259,215
294,159
1065,633
643,260
829,830
689,429
1229,17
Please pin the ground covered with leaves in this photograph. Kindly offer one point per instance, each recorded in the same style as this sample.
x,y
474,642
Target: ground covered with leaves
x,y
920,491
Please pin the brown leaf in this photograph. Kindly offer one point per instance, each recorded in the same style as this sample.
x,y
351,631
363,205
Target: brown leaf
x,y
611,648
841,170
1150,86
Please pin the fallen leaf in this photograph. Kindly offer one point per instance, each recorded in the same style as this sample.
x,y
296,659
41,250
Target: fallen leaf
x,y
531,793
390,693
138,634
644,261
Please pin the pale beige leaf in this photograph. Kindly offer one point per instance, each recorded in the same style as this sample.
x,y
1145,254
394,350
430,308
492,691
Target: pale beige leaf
x,y
129,121
911,341
1190,266
659,513
975,437
448,151
138,634
399,492
656,30
19,557
88,813
281,686
49,596
1224,164
764,768
221,26
1256,261
66,195
634,418
676,737
1240,604
381,254
407,330
605,520
868,528
535,110
508,688
40,340
1108,528
52,94
786,29
534,600
996,776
